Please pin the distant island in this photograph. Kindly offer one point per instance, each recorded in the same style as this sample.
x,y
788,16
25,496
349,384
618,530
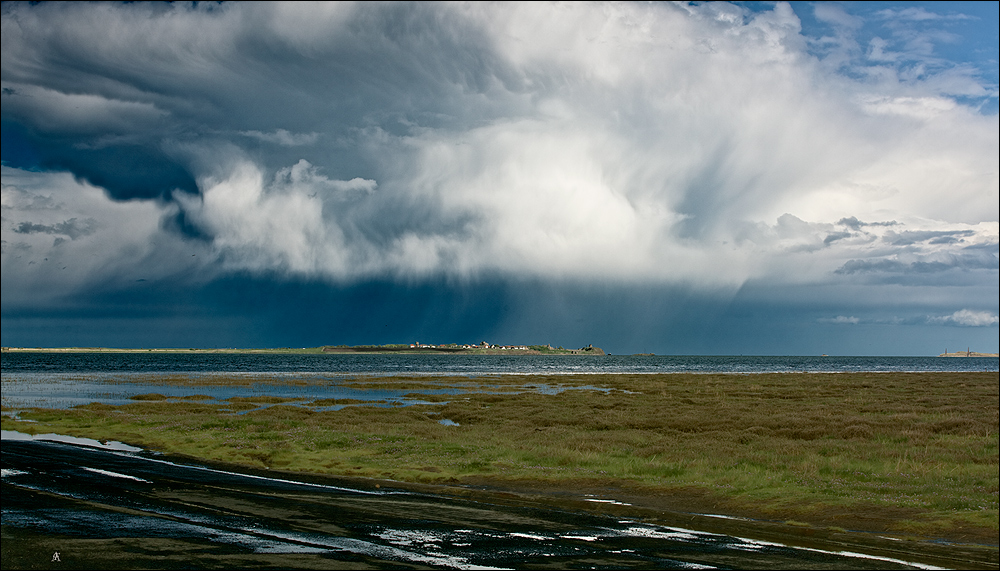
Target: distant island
x,y
483,348
967,353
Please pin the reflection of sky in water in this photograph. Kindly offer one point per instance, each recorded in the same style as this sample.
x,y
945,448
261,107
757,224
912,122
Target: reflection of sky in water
x,y
76,440
66,390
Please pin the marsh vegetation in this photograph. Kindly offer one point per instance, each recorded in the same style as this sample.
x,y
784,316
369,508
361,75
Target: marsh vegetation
x,y
913,454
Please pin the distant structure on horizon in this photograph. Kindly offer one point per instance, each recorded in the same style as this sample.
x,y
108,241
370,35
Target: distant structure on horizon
x,y
968,353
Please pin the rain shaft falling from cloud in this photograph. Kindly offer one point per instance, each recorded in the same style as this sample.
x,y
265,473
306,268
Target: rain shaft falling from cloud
x,y
706,146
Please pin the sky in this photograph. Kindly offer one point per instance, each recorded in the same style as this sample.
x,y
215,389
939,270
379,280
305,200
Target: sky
x,y
675,178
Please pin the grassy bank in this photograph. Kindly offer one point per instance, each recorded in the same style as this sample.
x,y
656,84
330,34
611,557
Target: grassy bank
x,y
905,453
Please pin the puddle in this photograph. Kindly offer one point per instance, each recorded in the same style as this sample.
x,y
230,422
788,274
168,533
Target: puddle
x,y
115,475
50,437
606,501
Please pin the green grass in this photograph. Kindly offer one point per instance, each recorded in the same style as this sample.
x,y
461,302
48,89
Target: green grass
x,y
918,450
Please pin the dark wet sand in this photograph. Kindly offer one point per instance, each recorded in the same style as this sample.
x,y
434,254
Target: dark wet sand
x,y
176,516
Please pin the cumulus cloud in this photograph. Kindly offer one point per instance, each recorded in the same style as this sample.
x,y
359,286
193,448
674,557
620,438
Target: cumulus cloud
x,y
672,144
968,318
287,224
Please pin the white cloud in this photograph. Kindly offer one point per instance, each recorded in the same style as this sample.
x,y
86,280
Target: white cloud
x,y
283,137
968,318
278,227
841,320
916,13
834,14
690,144
917,107
60,236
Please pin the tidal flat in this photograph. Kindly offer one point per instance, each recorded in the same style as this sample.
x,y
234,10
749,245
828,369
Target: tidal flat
x,y
908,455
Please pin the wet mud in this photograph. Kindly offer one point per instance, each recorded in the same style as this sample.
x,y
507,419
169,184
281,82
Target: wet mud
x,y
68,506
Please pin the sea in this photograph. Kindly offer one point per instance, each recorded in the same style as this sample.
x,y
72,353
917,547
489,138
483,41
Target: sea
x,y
64,380
15,363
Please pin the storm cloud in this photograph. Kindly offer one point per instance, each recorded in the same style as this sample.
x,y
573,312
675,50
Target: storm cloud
x,y
703,146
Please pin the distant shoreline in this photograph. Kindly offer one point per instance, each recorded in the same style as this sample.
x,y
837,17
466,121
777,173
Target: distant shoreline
x,y
415,349
969,354
377,350
156,350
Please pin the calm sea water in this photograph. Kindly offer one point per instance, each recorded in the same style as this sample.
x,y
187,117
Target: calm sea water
x,y
364,364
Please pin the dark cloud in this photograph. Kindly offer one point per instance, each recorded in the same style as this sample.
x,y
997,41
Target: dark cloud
x,y
126,172
71,228
855,224
851,222
834,236
179,89
977,259
910,237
